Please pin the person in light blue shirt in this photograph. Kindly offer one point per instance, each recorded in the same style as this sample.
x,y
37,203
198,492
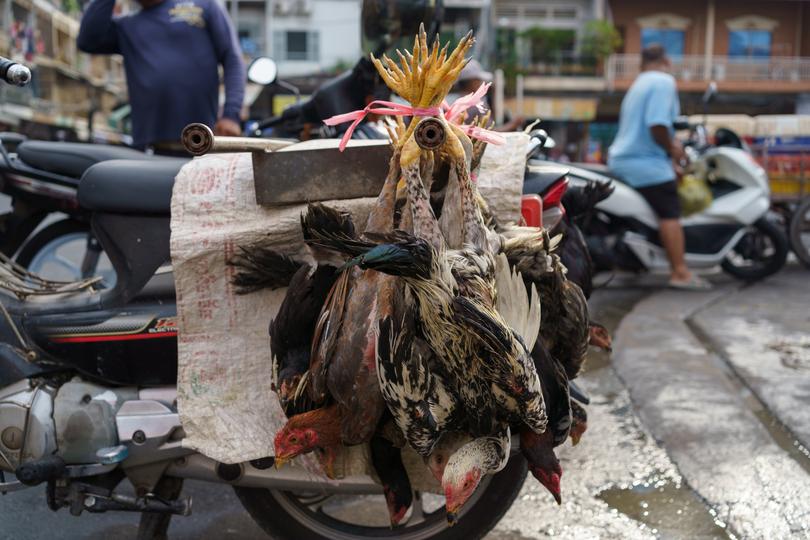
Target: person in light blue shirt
x,y
647,156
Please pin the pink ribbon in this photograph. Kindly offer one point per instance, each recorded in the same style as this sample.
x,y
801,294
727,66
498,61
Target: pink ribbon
x,y
390,108
452,112
377,107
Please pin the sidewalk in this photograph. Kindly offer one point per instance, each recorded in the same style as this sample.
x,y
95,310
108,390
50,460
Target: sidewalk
x,y
688,360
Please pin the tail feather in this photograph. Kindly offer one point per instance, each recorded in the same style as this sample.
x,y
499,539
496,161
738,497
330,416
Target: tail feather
x,y
519,308
259,267
580,202
322,219
496,336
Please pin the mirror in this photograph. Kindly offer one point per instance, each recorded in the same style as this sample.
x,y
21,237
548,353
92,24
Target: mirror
x,y
262,70
710,93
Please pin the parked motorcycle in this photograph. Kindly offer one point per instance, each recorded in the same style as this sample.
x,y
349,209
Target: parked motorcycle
x,y
88,377
737,231
107,361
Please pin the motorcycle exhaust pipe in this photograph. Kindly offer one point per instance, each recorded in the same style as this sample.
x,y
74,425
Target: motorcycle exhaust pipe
x,y
199,139
256,474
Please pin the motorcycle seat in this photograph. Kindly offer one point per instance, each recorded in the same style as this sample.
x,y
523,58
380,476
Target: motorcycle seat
x,y
539,178
130,186
71,159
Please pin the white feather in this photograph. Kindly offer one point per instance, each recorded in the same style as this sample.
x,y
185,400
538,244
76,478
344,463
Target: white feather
x,y
521,312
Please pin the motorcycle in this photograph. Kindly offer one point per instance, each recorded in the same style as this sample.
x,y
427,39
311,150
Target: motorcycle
x,y
88,375
88,396
738,231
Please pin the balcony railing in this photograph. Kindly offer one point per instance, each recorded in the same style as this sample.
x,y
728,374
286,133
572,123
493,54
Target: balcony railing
x,y
562,64
784,69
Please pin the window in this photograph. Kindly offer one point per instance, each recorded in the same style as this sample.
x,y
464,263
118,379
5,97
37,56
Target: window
x,y
297,45
672,40
749,43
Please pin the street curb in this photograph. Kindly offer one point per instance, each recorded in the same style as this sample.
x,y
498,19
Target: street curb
x,y
684,395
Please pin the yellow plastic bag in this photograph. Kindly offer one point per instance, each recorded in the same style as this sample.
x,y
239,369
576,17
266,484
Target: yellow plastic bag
x,y
694,194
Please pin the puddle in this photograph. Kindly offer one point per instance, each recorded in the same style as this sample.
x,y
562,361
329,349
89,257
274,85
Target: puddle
x,y
668,510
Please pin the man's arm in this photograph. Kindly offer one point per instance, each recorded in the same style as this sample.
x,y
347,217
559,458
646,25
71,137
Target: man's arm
x,y
658,117
671,145
229,54
97,33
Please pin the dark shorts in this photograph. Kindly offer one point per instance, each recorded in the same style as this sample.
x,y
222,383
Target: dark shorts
x,y
663,198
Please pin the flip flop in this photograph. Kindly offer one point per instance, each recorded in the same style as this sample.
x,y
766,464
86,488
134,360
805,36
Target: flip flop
x,y
695,283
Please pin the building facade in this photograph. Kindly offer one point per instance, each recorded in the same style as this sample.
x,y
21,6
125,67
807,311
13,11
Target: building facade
x,y
745,46
302,36
70,92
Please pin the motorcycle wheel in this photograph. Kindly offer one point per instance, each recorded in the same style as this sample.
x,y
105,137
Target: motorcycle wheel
x,y
66,251
761,251
800,232
287,515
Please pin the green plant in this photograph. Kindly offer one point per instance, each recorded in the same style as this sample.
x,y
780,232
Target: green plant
x,y
599,39
547,43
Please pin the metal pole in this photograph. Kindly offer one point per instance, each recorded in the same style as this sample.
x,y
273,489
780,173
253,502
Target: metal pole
x,y
519,94
499,84
707,61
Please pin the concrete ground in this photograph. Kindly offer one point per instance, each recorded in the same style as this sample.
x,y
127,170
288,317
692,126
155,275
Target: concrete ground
x,y
721,380
696,430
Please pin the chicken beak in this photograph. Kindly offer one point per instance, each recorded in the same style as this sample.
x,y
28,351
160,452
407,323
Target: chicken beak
x,y
558,498
575,437
452,518
280,461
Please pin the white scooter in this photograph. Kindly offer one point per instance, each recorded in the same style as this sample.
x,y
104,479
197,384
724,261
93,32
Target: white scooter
x,y
737,231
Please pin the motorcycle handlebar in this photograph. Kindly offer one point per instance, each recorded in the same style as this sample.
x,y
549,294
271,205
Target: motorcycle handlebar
x,y
14,73
198,139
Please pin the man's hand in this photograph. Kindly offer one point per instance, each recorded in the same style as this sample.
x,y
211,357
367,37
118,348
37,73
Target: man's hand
x,y
227,128
676,151
514,124
679,158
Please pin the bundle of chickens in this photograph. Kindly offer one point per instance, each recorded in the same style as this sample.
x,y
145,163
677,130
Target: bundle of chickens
x,y
425,328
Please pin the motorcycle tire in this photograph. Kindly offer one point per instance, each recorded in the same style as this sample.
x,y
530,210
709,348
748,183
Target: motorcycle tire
x,y
764,228
273,512
51,235
800,225
40,239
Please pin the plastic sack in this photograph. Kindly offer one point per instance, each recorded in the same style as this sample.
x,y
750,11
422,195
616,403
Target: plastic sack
x,y
694,194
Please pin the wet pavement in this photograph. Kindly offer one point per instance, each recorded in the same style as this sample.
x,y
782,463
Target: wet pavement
x,y
695,403
695,430
617,482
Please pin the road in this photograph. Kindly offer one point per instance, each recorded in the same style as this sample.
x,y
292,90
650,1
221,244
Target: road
x,y
693,380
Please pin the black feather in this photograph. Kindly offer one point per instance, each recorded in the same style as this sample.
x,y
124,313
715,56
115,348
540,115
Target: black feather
x,y
320,219
387,462
259,267
494,335
580,202
555,392
292,330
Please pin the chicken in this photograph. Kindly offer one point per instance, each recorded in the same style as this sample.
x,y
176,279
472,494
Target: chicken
x,y
387,462
416,396
579,422
318,429
469,464
260,267
538,449
600,337
543,463
291,333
